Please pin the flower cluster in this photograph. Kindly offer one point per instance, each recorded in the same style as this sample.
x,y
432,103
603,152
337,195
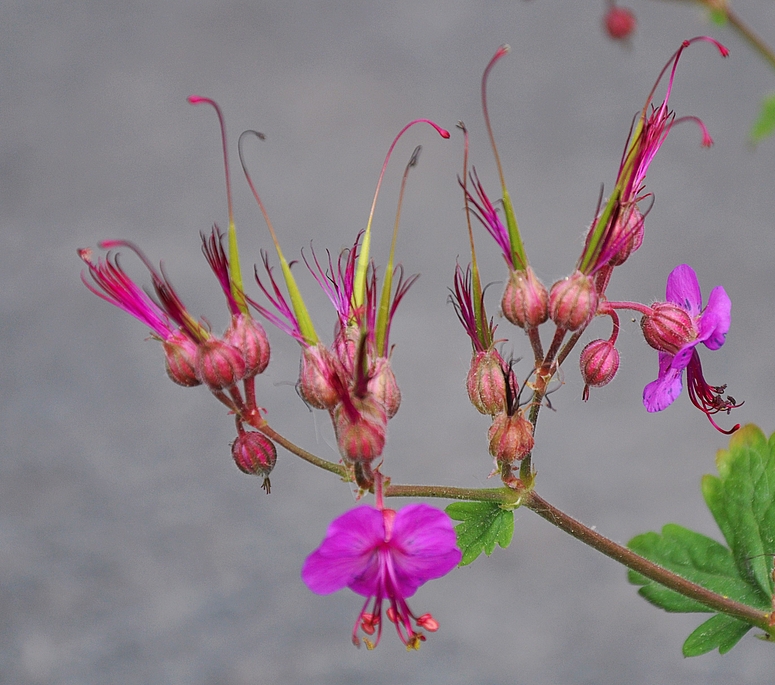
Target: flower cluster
x,y
382,554
674,327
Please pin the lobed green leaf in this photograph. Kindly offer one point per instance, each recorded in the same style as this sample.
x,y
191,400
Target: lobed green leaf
x,y
720,632
483,525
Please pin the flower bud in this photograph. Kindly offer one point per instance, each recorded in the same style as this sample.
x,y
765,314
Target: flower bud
x,y
669,328
627,235
573,301
255,454
599,362
317,378
249,337
180,359
525,300
346,346
218,364
486,383
360,428
511,437
619,22
383,386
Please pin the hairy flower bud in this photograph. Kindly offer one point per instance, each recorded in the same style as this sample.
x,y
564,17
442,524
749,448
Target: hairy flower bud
x,y
525,300
599,362
345,346
627,235
317,378
255,454
486,382
573,301
384,387
511,437
249,337
619,22
669,328
180,359
218,364
360,428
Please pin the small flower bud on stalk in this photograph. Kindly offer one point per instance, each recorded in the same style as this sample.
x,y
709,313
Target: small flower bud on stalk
x,y
256,455
219,365
180,359
360,428
249,337
511,438
316,378
669,328
525,300
486,382
627,234
383,386
599,362
573,301
619,22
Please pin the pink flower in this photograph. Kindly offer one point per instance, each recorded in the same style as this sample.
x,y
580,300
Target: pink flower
x,y
384,555
709,326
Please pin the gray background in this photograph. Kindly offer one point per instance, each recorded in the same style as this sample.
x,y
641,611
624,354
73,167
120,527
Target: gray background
x,y
131,548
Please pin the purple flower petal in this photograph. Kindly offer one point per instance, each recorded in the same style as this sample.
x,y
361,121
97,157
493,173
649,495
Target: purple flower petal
x,y
683,289
716,319
348,551
661,393
423,546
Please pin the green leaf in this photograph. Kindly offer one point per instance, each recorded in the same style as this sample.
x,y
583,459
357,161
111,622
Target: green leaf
x,y
764,125
483,525
697,558
721,631
742,500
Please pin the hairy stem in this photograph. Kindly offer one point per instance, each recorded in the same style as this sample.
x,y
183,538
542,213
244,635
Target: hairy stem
x,y
643,566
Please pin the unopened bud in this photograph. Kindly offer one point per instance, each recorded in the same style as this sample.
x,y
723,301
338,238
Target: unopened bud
x,y
360,428
573,301
627,234
619,22
384,387
525,300
511,437
486,382
180,359
255,454
249,337
345,346
218,364
599,362
668,328
317,378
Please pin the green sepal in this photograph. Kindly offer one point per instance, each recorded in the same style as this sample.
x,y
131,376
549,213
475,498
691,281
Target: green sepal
x,y
720,632
297,302
235,272
742,500
764,126
518,256
483,525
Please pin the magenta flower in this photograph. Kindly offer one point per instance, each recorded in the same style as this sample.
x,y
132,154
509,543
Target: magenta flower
x,y
384,555
709,327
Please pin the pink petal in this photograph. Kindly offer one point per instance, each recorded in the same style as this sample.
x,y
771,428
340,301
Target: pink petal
x,y
349,551
716,319
661,393
683,289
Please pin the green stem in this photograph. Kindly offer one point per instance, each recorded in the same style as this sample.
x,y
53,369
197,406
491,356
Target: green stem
x,y
643,566
501,495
